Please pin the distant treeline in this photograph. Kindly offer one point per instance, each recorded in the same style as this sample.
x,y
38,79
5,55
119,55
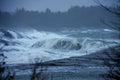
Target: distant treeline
x,y
74,17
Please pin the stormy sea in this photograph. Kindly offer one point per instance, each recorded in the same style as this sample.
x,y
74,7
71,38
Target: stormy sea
x,y
69,54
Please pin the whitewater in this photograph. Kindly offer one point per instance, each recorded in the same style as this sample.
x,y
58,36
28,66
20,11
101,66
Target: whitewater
x,y
22,47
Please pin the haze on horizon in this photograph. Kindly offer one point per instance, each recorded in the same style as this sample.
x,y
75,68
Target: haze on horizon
x,y
42,5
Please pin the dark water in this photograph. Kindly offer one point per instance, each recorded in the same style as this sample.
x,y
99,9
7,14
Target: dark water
x,y
68,73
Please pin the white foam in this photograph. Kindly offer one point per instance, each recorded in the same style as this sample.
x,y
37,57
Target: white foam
x,y
46,52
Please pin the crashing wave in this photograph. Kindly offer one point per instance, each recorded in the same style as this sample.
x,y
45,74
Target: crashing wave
x,y
60,44
47,45
67,44
9,34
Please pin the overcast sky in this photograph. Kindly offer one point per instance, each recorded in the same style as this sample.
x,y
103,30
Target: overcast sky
x,y
41,5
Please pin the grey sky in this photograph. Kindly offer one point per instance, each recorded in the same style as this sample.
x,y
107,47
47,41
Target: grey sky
x,y
41,5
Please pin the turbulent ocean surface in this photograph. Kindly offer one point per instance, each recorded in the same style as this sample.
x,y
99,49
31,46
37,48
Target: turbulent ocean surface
x,y
20,47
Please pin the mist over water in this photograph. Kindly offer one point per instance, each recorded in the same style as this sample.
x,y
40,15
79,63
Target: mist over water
x,y
26,35
75,39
